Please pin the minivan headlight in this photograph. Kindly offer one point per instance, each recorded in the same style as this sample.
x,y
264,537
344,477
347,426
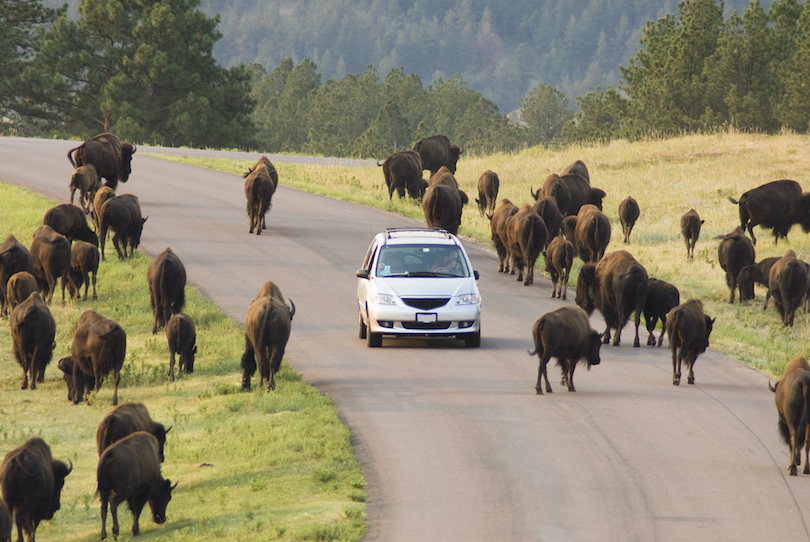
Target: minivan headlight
x,y
468,299
383,299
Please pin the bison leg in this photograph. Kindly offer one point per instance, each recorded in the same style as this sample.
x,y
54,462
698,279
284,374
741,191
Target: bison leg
x,y
117,242
676,365
105,499
171,362
571,365
636,341
248,364
24,381
542,369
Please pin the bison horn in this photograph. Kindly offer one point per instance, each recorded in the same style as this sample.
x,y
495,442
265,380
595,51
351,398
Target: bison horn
x,y
292,309
175,485
167,430
70,468
772,387
532,192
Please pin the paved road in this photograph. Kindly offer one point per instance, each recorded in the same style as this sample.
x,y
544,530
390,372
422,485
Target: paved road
x,y
454,442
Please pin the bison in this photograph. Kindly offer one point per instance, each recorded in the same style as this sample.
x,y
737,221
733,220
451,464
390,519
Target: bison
x,y
104,193
771,205
99,347
129,470
735,252
32,482
85,179
559,259
526,237
259,190
554,187
628,214
111,157
617,286
403,171
50,253
14,257
122,214
547,208
71,222
126,419
566,334
793,405
787,284
436,152
591,233
267,330
5,522
578,168
688,329
32,333
690,229
166,277
182,337
442,202
581,193
83,264
662,297
488,185
497,223
20,286
759,273
271,169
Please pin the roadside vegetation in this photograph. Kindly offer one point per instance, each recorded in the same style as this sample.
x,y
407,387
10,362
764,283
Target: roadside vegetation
x,y
252,466
667,177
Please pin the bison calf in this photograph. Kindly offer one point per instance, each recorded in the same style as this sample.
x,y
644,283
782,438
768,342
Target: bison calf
x,y
182,337
688,330
690,229
793,406
559,259
125,420
787,285
662,297
71,222
50,253
566,334
628,214
83,264
259,190
85,179
759,273
123,215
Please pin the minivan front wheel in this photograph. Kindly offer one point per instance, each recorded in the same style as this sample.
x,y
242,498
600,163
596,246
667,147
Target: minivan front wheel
x,y
361,326
473,340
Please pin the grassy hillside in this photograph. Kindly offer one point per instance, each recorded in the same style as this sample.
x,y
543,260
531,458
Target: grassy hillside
x,y
667,178
251,466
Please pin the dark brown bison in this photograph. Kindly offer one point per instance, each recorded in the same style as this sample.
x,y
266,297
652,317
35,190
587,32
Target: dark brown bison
x,y
578,168
83,264
688,330
5,522
628,214
559,260
690,229
617,286
129,470
793,405
735,252
14,257
591,233
437,151
20,286
182,340
581,192
565,334
787,284
497,223
771,205
547,208
99,347
759,273
126,419
442,202
111,157
122,214
32,482
271,169
526,238
267,330
259,190
166,277
50,253
71,222
554,187
662,297
488,186
85,179
403,171
32,332
103,194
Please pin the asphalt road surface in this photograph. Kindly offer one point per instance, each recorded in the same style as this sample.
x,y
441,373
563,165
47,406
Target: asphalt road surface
x,y
454,442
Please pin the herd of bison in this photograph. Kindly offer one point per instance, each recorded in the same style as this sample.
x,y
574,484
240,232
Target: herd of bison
x,y
565,221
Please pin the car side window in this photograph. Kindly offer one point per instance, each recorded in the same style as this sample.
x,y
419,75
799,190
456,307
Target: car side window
x,y
372,249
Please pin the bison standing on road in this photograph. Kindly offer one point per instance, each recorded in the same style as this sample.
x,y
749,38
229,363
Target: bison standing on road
x,y
32,332
83,264
591,233
787,284
793,406
126,419
259,190
166,276
271,169
526,238
735,252
182,337
559,260
123,215
497,223
14,257
662,297
688,330
436,152
71,222
267,330
566,334
85,179
443,201
772,205
403,171
129,470
111,157
50,253
488,186
628,214
32,482
690,229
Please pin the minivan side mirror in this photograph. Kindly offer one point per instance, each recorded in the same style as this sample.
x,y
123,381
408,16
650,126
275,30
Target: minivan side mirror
x,y
363,273
475,274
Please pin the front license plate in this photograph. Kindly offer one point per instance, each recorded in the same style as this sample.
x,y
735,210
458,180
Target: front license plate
x,y
426,318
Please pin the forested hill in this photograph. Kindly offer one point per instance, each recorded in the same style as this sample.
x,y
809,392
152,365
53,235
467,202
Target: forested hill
x,y
501,49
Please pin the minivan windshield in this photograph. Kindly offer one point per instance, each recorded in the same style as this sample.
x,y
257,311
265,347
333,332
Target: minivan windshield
x,y
421,261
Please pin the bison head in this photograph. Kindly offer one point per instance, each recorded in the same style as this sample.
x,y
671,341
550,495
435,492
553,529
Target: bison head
x,y
586,286
159,499
592,349
127,150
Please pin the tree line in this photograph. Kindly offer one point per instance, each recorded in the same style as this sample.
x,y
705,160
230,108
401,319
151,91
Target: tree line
x,y
147,72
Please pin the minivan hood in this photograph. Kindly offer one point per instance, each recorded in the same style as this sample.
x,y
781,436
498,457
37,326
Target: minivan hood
x,y
427,286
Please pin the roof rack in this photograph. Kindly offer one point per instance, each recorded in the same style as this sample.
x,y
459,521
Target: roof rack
x,y
391,232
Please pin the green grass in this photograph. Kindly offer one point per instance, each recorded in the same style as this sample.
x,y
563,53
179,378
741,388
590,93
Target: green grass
x,y
667,177
253,466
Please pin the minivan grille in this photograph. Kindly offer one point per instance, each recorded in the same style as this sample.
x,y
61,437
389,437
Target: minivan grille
x,y
425,303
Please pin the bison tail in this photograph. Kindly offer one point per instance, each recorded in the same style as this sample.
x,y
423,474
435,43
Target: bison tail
x,y
248,363
732,200
70,155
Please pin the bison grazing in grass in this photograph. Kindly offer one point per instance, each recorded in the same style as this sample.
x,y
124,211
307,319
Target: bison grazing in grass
x,y
443,201
83,264
32,482
129,470
793,406
559,260
32,333
436,152
497,223
688,330
759,273
628,214
182,340
50,253
488,186
14,257
616,286
403,171
20,286
99,347
787,284
125,420
166,276
735,252
526,238
85,179
690,229
123,215
71,222
267,330
111,157
777,205
259,190
662,297
566,334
